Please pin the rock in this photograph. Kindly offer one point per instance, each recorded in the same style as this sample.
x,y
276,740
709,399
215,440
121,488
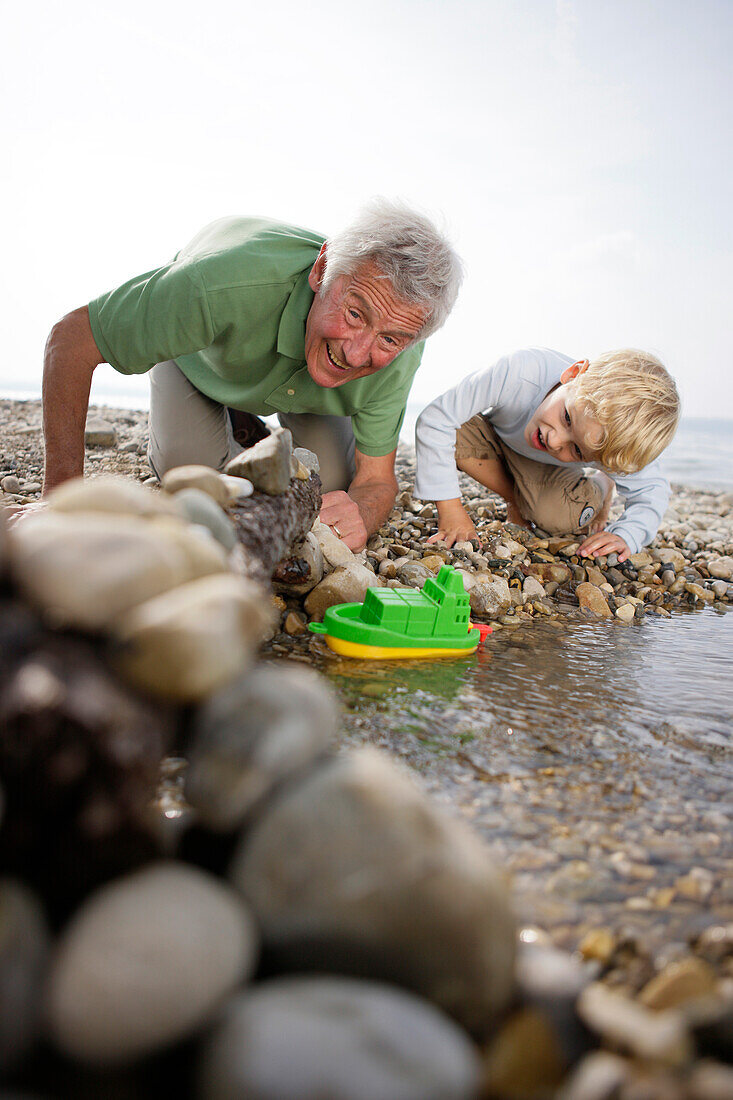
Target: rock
x,y
305,563
333,549
433,562
681,981
238,488
24,948
337,868
524,1059
595,575
10,484
145,961
347,585
592,599
598,944
710,1081
532,589
85,570
119,495
720,589
550,981
295,623
198,507
202,553
197,477
661,1036
669,556
625,612
345,1040
490,597
600,1076
268,464
641,559
307,458
187,643
99,433
413,574
249,737
722,568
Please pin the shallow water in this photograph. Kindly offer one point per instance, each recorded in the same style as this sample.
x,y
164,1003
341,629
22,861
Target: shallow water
x,y
595,758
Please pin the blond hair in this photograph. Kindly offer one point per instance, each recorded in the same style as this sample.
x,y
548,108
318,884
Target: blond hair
x,y
635,401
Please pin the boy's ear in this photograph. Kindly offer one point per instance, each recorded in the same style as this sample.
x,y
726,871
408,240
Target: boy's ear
x,y
580,366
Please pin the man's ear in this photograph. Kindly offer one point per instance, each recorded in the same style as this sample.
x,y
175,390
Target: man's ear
x,y
580,366
318,270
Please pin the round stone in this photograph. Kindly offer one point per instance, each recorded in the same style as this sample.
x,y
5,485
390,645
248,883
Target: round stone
x,y
145,961
344,1040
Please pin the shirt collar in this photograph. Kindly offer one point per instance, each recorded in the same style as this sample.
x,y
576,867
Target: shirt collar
x,y
291,331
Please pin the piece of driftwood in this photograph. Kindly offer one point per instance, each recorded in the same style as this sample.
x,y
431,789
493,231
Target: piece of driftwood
x,y
269,526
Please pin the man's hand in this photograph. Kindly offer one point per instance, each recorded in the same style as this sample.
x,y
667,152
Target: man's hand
x,y
454,524
603,542
359,513
342,515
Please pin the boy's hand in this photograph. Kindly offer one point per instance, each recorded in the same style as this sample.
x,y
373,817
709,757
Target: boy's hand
x,y
454,524
603,542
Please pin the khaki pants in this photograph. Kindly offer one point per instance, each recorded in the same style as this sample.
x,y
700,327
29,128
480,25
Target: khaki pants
x,y
559,499
187,427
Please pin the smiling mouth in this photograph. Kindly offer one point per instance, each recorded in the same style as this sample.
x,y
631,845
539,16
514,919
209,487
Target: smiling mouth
x,y
334,360
540,440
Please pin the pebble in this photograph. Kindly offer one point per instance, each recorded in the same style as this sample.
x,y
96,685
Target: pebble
x,y
85,570
678,983
99,432
592,599
337,869
625,612
146,960
312,1038
268,464
198,507
260,730
345,585
659,1036
110,494
10,484
197,477
192,640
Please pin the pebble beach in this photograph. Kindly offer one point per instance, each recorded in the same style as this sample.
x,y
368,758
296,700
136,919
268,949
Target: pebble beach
x,y
631,917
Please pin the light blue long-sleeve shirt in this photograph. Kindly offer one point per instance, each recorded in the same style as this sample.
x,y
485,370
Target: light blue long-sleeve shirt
x,y
509,393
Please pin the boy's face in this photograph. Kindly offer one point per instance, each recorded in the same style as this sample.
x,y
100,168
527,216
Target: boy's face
x,y
561,428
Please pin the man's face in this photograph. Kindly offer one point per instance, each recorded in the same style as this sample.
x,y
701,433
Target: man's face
x,y
562,429
357,327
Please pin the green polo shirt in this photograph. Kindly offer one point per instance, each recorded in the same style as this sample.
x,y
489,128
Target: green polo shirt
x,y
231,310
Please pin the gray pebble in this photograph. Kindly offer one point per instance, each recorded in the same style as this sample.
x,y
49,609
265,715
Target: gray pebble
x,y
312,1038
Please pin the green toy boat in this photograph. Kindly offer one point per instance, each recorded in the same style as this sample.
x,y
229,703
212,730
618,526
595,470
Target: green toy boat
x,y
398,622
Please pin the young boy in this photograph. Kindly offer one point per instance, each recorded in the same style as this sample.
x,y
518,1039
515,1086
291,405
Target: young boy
x,y
527,427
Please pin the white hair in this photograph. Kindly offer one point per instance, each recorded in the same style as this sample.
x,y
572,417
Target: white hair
x,y
407,249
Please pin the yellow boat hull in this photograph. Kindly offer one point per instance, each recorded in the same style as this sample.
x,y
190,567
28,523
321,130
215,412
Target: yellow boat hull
x,y
390,653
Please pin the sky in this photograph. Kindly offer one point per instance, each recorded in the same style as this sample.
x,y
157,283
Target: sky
x,y
577,152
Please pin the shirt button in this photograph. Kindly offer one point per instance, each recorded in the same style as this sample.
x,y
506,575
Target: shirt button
x,y
290,393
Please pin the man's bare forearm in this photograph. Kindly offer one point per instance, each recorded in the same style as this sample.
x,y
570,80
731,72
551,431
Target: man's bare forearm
x,y
69,361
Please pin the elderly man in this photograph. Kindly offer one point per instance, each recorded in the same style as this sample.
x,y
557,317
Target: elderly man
x,y
257,317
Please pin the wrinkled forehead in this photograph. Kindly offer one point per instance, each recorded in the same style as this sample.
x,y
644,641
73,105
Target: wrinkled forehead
x,y
377,293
